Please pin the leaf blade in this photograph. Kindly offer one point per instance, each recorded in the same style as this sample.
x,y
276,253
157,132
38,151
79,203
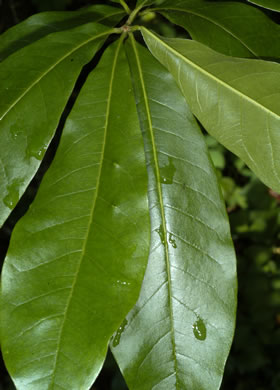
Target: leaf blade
x,y
224,27
244,117
29,112
94,229
38,26
167,319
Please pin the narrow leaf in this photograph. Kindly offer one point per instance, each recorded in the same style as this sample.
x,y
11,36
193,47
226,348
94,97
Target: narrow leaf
x,y
224,26
36,83
179,333
236,100
269,4
78,257
40,25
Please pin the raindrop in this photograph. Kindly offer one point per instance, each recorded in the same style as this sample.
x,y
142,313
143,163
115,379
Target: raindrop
x,y
199,329
167,172
161,234
35,152
12,197
172,241
15,132
123,283
118,335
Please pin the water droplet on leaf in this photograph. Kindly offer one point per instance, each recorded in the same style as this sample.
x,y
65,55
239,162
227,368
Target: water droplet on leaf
x,y
12,197
167,172
161,234
172,241
199,329
121,282
118,335
38,153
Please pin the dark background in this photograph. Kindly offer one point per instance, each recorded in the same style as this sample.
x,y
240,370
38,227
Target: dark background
x,y
254,212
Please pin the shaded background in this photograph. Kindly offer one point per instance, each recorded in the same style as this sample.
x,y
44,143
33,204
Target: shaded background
x,y
254,212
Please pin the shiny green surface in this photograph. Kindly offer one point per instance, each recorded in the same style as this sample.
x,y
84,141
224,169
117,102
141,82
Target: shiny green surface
x,y
42,24
77,258
270,4
224,26
36,83
179,333
236,100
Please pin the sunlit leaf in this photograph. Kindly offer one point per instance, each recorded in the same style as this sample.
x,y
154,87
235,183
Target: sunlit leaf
x,y
236,100
77,258
179,333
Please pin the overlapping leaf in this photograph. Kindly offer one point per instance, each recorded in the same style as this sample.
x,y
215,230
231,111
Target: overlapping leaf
x,y
36,83
236,100
224,26
270,4
40,25
179,333
77,259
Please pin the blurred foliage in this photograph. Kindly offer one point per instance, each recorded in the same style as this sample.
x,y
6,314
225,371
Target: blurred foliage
x,y
254,213
55,5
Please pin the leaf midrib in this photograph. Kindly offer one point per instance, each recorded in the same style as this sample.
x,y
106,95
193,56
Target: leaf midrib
x,y
211,76
159,190
38,79
91,215
190,11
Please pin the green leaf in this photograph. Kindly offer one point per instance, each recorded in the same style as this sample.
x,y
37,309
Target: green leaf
x,y
224,26
36,83
40,25
270,4
236,100
77,258
179,333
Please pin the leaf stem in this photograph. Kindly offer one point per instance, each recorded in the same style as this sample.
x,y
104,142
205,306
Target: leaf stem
x,y
134,13
125,6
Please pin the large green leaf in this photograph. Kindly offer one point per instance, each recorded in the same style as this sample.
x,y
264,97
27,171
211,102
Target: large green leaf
x,y
236,100
179,333
36,83
40,25
77,259
270,4
224,26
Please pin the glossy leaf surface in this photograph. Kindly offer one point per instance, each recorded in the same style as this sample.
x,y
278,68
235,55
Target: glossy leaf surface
x,y
40,25
270,4
179,333
77,259
224,26
236,100
36,83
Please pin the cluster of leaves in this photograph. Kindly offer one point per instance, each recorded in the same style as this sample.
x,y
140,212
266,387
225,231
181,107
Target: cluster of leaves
x,y
77,259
